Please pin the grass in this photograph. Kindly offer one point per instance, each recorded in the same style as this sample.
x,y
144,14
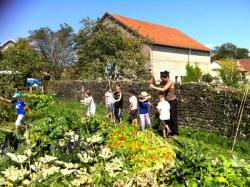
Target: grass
x,y
215,144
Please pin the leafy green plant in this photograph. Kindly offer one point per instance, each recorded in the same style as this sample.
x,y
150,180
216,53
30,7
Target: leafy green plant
x,y
193,74
207,78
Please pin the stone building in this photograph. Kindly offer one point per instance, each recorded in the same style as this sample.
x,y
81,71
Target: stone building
x,y
171,50
6,45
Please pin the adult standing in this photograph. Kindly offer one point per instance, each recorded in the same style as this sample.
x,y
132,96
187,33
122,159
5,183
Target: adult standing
x,y
118,103
170,96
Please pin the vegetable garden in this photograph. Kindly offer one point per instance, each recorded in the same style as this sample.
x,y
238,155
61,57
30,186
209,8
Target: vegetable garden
x,y
65,148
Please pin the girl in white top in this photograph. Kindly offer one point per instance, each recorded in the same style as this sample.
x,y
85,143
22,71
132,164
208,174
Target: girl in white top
x,y
163,108
89,101
109,100
133,107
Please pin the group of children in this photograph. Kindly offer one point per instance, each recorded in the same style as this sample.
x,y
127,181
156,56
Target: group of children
x,y
114,105
163,111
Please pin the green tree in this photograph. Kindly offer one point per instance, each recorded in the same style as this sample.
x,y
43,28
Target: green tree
x,y
230,51
56,47
99,45
19,62
228,73
193,74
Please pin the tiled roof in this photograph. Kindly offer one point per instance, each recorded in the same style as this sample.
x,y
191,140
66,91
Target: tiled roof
x,y
245,64
161,35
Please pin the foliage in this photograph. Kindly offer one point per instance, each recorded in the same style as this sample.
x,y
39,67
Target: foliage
x,y
57,48
21,61
193,74
193,168
100,45
65,148
141,149
207,78
228,73
230,51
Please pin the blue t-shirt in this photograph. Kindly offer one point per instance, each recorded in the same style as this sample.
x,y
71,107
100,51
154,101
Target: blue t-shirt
x,y
143,107
20,107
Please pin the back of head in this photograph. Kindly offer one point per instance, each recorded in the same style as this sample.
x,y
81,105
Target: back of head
x,y
164,74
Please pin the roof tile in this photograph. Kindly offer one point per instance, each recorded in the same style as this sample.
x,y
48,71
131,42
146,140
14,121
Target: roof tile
x,y
161,35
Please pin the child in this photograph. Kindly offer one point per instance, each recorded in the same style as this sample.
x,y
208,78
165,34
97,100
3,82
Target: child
x,y
144,114
109,99
21,108
163,108
88,100
133,107
118,103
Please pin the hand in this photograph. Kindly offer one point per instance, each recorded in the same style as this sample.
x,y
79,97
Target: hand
x,y
30,112
151,86
1,98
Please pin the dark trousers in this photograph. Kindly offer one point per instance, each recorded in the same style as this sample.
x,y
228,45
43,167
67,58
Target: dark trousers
x,y
173,117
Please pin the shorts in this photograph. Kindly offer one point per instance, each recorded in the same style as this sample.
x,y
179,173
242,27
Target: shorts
x,y
118,112
164,123
110,107
133,114
20,119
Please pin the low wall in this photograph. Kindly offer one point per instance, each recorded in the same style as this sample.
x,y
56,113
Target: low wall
x,y
200,106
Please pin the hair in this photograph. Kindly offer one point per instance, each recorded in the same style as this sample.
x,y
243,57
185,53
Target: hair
x,y
161,94
88,93
108,87
131,91
164,74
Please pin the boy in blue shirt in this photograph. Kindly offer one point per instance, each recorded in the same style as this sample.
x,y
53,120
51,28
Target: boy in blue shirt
x,y
20,107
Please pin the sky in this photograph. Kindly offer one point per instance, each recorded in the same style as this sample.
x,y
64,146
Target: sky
x,y
211,22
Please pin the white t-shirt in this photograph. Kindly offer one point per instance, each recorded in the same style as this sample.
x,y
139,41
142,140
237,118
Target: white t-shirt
x,y
110,97
133,102
164,108
89,101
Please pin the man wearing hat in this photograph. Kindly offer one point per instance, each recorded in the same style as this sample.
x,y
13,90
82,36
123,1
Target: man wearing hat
x,y
144,103
20,107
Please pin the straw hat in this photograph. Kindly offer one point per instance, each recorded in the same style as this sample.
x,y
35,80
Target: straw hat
x,y
144,96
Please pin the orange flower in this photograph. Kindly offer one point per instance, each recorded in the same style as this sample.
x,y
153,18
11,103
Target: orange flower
x,y
152,157
120,138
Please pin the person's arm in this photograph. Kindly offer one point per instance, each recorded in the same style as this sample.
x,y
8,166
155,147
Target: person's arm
x,y
119,98
106,100
27,108
162,89
5,100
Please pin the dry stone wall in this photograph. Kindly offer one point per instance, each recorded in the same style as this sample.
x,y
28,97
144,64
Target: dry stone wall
x,y
200,106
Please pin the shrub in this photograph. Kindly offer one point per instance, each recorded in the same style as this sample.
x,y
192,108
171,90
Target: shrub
x,y
207,78
193,74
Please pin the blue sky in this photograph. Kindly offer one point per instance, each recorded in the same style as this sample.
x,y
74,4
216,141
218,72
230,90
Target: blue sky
x,y
211,22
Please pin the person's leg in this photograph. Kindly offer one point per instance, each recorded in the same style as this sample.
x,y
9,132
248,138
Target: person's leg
x,y
120,115
19,119
142,120
148,121
173,117
135,117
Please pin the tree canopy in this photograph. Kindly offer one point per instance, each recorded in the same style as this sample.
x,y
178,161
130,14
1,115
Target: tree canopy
x,y
57,47
229,51
100,45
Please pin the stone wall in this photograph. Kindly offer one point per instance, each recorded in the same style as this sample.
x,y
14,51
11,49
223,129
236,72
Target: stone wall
x,y
200,106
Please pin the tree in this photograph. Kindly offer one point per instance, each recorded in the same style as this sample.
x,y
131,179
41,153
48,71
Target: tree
x,y
56,47
228,73
100,45
22,61
193,74
229,51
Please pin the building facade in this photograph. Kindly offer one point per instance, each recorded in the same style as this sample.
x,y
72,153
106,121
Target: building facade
x,y
171,50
